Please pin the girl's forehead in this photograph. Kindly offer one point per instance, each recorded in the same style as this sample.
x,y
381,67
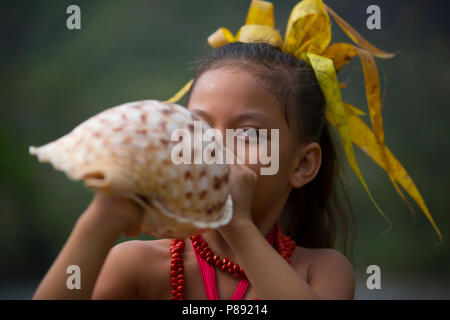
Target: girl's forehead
x,y
233,89
226,79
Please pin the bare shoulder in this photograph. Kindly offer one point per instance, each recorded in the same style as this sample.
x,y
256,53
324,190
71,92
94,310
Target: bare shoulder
x,y
143,249
329,272
132,269
326,256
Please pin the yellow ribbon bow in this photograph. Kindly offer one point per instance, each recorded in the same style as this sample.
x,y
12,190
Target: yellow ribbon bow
x,y
307,37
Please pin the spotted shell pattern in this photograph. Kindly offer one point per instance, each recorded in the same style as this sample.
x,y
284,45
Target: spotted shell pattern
x,y
126,150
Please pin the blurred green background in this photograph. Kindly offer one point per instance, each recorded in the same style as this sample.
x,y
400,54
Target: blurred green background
x,y
52,79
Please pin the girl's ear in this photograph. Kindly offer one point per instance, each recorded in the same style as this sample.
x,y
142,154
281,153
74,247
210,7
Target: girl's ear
x,y
307,165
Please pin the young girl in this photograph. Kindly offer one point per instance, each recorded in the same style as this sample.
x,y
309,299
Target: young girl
x,y
241,85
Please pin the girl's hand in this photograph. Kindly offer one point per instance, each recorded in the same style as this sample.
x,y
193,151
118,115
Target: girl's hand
x,y
242,188
118,212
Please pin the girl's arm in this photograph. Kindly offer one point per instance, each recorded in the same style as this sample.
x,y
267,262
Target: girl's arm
x,y
331,275
95,232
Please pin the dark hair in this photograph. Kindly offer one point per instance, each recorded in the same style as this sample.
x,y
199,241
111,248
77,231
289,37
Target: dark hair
x,y
314,213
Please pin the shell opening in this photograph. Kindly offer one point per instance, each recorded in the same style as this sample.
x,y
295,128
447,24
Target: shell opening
x,y
96,179
143,198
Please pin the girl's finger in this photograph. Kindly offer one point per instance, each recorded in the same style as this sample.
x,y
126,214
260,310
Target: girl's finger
x,y
238,169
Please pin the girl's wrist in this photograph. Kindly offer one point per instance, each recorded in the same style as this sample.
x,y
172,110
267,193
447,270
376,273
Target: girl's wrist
x,y
236,225
96,221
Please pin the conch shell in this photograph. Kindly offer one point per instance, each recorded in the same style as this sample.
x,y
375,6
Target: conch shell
x,y
126,150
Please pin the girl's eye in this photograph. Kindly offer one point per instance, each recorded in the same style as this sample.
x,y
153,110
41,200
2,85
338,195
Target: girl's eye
x,y
249,134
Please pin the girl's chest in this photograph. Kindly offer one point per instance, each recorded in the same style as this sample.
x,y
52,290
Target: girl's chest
x,y
194,288
226,284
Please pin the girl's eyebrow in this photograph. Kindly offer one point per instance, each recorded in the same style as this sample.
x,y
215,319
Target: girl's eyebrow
x,y
254,116
240,118
203,114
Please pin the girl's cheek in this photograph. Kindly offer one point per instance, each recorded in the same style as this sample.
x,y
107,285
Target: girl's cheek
x,y
258,155
252,159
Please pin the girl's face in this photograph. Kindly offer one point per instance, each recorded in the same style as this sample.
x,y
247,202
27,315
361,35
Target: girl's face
x,y
232,98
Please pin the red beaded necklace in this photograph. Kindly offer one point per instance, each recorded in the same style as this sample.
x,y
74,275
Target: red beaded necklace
x,y
283,242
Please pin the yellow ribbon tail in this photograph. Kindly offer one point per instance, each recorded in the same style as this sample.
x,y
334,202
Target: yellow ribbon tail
x,y
357,38
356,110
341,53
399,191
326,76
177,96
373,94
365,139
